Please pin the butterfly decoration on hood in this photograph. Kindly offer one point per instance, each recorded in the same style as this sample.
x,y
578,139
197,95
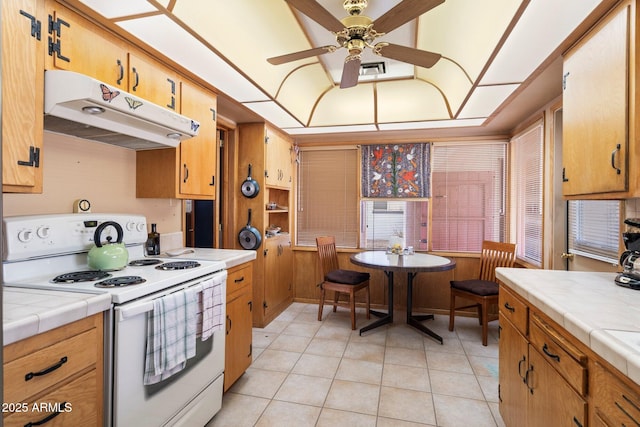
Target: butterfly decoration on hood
x,y
133,103
108,94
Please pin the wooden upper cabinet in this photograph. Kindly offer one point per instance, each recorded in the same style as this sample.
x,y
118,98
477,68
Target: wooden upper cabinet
x,y
187,171
597,106
198,155
278,165
75,44
23,32
154,82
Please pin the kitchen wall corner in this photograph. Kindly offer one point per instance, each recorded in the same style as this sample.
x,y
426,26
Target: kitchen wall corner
x,y
104,174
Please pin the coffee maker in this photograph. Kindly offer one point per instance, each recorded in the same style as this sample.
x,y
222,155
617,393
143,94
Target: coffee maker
x,y
630,259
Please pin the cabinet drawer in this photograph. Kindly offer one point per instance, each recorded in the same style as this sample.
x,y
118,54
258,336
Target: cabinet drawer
x,y
561,354
514,309
33,373
614,401
239,277
76,402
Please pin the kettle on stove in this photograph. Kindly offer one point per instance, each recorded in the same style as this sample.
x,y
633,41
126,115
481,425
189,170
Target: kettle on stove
x,y
108,256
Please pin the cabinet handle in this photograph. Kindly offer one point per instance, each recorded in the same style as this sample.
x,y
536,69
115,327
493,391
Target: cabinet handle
x,y
576,422
509,307
52,368
34,158
613,159
239,280
185,172
229,325
564,176
173,92
250,304
120,72
524,359
545,350
136,80
526,379
36,26
47,418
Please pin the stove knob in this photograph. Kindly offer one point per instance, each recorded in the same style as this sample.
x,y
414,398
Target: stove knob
x,y
130,226
25,235
141,227
43,232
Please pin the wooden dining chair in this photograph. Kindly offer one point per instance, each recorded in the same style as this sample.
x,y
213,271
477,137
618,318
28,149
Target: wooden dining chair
x,y
338,280
483,291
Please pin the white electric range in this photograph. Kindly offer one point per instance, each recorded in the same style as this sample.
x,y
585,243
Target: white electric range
x,y
50,252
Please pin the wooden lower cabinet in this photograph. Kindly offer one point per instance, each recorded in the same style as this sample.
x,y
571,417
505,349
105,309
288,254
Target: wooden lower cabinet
x,y
56,378
238,343
547,377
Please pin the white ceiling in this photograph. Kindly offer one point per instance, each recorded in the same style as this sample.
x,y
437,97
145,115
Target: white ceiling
x,y
499,61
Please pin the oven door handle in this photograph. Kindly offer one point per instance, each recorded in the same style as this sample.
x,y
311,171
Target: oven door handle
x,y
134,309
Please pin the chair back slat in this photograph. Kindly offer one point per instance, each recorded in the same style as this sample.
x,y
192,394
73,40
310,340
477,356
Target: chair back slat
x,y
494,255
327,254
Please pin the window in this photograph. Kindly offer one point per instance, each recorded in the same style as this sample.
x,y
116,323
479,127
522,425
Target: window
x,y
594,229
468,190
383,219
528,186
328,196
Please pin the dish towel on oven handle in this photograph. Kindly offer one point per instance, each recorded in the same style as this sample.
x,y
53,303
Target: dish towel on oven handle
x,y
211,315
171,335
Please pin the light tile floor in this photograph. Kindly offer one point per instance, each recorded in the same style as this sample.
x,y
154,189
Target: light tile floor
x,y
311,373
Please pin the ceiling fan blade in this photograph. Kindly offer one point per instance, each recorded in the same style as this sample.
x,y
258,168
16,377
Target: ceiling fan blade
x,y
418,57
350,71
315,11
282,59
402,13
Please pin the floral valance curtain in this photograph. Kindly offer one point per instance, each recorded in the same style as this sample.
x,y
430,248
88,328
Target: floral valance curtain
x,y
396,170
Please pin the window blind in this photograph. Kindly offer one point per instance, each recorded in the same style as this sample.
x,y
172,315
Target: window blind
x,y
328,196
594,229
528,173
468,195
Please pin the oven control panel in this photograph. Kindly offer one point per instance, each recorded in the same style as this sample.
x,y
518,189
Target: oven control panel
x,y
45,235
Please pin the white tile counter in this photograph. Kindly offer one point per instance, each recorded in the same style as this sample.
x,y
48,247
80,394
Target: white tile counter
x,y
28,312
590,306
231,257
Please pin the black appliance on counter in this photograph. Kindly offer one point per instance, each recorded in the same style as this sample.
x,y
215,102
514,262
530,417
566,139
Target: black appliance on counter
x,y
630,259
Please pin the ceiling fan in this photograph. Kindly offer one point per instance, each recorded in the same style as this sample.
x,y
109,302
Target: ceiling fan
x,y
356,32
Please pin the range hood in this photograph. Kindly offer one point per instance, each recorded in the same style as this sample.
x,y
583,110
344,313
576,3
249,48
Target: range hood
x,y
78,105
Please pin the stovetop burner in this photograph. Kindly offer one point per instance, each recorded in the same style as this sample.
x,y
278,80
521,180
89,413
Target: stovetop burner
x,y
120,281
178,265
81,276
144,262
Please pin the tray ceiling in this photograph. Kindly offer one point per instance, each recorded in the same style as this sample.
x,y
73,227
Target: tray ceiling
x,y
489,49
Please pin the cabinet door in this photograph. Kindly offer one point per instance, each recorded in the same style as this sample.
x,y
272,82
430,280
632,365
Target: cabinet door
x,y
22,96
278,273
198,154
595,109
551,400
513,364
77,45
238,341
278,161
150,80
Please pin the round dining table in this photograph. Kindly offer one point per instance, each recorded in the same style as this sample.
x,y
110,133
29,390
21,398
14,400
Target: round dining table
x,y
412,264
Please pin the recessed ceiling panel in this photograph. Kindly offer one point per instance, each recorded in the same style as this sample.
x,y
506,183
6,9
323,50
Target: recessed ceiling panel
x,y
248,32
392,106
466,31
485,100
302,88
543,26
331,129
353,106
434,124
116,8
167,37
273,113
450,79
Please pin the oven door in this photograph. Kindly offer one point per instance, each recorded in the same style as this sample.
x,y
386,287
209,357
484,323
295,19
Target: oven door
x,y
179,398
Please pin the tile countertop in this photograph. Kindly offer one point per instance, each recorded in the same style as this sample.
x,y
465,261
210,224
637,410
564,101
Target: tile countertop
x,y
590,306
28,312
231,257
